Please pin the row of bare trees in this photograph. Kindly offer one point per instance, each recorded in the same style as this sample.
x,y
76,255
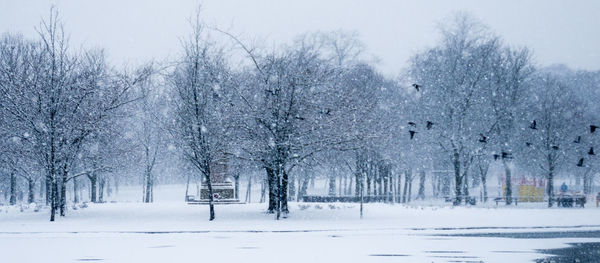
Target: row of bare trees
x,y
315,104
60,111
489,103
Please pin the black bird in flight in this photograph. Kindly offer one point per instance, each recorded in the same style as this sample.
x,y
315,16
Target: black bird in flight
x,y
417,86
527,144
506,155
429,125
554,147
412,134
593,128
412,124
533,125
496,156
483,139
578,140
580,163
591,152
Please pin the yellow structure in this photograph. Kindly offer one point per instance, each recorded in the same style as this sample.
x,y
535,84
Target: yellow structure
x,y
528,190
531,193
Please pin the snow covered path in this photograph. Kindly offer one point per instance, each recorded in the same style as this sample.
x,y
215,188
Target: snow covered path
x,y
176,232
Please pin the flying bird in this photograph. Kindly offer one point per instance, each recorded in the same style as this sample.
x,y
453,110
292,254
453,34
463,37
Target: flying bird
x,y
580,163
554,147
578,140
412,134
591,152
412,124
417,86
506,155
533,125
593,128
429,125
483,139
527,144
496,156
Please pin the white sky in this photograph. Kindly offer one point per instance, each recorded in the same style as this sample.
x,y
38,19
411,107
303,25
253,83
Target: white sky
x,y
134,31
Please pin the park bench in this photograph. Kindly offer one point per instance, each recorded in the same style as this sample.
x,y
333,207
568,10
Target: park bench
x,y
569,200
469,200
515,200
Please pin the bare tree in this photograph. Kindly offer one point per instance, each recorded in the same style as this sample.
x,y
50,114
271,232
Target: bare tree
x,y
549,135
451,81
512,70
200,84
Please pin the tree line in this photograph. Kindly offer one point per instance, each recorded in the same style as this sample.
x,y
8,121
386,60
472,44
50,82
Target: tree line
x,y
314,105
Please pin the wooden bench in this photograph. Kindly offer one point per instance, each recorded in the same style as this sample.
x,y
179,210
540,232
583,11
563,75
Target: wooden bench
x,y
515,200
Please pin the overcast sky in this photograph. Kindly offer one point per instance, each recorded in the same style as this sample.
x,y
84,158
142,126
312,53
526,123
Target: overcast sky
x,y
133,31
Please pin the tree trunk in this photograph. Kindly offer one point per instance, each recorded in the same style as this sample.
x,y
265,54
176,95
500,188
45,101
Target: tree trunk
x,y
385,189
398,187
484,185
344,189
421,194
211,200
93,180
465,183
63,190
149,186
551,186
483,173
284,192
236,178
379,176
410,188
406,180
53,198
361,184
101,184
357,183
368,186
341,185
392,184
434,183
187,188
48,190
75,190
249,189
587,181
263,188
508,193
13,189
278,193
31,191
211,204
292,187
272,184
457,178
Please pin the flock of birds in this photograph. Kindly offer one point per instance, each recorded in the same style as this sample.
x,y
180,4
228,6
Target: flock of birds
x,y
504,155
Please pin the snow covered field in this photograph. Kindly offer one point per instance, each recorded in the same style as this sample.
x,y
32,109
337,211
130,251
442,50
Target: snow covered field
x,y
171,231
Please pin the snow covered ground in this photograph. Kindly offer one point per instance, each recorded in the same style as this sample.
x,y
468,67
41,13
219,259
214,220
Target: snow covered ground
x,y
171,231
